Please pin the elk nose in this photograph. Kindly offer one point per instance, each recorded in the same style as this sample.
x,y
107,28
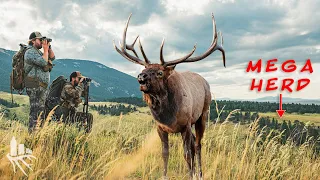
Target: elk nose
x,y
142,77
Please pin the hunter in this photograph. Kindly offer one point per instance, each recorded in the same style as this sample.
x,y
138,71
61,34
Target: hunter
x,y
71,97
37,66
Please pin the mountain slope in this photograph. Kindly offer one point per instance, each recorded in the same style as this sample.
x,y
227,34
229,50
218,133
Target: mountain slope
x,y
288,100
106,82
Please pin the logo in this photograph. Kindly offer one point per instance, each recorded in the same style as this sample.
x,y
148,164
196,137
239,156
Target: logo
x,y
19,153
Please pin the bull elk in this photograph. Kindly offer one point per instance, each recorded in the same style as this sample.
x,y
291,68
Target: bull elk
x,y
177,100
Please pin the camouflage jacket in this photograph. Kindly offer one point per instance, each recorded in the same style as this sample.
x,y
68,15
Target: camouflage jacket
x,y
34,64
70,95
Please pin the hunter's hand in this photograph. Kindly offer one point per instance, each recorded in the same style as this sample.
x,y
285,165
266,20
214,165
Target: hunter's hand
x,y
49,45
45,45
81,80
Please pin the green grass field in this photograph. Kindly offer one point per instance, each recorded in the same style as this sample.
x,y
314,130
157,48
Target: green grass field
x,y
128,147
20,99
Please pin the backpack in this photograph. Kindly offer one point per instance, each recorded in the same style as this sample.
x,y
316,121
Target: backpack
x,y
54,93
17,75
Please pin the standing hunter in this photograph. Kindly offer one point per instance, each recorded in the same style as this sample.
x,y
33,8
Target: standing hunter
x,y
37,66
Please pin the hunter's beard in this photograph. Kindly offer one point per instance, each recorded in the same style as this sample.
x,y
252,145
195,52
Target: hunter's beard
x,y
38,46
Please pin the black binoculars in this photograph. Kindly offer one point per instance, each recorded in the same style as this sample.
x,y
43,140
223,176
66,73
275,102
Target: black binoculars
x,y
86,80
45,38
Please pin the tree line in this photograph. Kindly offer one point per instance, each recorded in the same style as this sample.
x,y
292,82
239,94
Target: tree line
x,y
236,117
129,100
114,110
243,105
266,106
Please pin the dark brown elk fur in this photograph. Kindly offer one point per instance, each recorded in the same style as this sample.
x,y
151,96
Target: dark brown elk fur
x,y
177,100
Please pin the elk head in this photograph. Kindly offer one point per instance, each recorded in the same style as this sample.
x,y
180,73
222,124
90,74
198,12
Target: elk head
x,y
154,77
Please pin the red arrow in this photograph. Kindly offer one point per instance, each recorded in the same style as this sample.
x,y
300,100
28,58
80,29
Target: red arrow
x,y
280,111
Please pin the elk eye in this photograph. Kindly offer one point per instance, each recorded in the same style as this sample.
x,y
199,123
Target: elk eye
x,y
160,73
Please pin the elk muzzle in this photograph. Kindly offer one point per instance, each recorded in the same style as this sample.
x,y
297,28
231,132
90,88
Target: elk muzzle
x,y
142,79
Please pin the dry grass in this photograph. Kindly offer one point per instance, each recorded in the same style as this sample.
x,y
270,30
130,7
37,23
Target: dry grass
x,y
127,147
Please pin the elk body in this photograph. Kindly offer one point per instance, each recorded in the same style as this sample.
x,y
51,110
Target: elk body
x,y
177,100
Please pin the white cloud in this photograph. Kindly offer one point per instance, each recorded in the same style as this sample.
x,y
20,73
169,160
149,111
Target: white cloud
x,y
22,14
190,7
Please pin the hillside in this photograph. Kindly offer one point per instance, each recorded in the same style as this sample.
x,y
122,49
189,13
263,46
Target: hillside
x,y
107,82
288,100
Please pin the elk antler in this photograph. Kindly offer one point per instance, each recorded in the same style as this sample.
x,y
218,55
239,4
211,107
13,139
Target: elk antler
x,y
213,47
124,46
143,54
210,50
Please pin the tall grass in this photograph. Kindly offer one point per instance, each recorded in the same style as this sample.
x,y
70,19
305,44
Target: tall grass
x,y
128,147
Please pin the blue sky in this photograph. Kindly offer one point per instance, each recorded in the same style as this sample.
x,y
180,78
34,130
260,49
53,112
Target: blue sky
x,y
267,29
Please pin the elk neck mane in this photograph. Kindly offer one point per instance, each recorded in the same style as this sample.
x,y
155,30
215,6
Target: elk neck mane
x,y
164,105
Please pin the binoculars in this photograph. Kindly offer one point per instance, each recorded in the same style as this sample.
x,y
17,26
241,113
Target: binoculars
x,y
48,39
86,80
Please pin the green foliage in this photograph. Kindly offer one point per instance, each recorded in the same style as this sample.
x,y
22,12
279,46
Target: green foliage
x,y
267,106
114,110
129,100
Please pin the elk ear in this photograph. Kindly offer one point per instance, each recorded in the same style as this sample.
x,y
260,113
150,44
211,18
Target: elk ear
x,y
171,67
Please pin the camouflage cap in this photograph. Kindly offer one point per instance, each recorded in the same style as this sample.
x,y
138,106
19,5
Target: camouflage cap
x,y
35,35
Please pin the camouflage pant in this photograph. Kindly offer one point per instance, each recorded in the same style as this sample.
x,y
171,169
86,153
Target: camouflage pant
x,y
37,98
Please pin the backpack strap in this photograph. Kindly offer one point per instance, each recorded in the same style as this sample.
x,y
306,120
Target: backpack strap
x,y
26,73
29,47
